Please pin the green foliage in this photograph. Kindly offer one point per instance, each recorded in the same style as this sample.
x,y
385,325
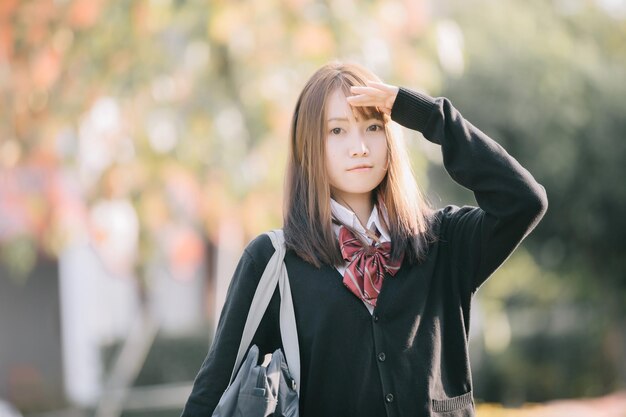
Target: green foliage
x,y
551,90
548,83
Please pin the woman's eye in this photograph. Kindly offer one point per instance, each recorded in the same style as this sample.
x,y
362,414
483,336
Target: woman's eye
x,y
335,131
375,128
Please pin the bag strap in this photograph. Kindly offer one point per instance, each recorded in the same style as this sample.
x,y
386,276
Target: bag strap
x,y
275,273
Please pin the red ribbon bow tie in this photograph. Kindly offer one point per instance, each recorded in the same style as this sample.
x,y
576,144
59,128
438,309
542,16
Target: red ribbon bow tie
x,y
367,265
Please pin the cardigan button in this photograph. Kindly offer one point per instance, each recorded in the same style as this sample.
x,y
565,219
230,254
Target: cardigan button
x,y
382,356
375,317
389,398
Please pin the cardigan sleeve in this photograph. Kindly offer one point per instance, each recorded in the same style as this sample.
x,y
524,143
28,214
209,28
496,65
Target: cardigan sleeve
x,y
214,374
511,202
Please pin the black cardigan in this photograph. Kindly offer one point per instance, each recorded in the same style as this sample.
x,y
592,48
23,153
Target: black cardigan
x,y
409,358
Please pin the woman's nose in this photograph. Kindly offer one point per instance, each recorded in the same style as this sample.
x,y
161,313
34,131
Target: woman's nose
x,y
358,146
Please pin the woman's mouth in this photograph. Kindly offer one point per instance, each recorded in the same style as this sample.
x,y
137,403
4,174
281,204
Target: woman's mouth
x,y
360,168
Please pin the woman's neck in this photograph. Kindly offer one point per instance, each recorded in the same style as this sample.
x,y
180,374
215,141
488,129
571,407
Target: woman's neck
x,y
361,206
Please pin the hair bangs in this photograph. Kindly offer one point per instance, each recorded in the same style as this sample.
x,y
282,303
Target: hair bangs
x,y
360,112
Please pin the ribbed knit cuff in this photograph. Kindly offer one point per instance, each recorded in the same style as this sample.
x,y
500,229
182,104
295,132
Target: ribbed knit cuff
x,y
452,404
412,109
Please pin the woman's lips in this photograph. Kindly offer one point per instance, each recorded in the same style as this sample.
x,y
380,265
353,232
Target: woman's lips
x,y
360,168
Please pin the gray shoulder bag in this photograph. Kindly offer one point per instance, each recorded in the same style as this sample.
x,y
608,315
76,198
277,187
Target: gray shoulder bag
x,y
272,388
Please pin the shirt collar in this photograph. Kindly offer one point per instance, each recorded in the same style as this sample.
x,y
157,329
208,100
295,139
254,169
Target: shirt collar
x,y
347,216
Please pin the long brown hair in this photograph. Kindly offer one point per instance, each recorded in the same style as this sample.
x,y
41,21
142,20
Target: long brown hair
x,y
307,212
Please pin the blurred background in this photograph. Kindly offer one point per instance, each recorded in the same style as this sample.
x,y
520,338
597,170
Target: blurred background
x,y
143,145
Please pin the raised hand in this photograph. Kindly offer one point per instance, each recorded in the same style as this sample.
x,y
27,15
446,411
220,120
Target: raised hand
x,y
375,94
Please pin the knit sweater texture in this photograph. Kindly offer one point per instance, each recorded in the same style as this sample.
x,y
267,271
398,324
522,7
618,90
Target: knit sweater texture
x,y
410,357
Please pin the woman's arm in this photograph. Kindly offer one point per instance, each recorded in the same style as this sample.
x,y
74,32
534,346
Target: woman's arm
x,y
215,372
511,202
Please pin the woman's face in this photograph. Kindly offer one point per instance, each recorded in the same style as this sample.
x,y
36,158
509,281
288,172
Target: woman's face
x,y
350,143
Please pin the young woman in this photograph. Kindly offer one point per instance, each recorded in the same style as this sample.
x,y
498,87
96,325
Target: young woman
x,y
381,283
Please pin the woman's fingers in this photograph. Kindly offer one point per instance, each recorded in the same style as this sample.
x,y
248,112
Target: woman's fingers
x,y
390,89
365,100
372,91
369,101
375,94
366,96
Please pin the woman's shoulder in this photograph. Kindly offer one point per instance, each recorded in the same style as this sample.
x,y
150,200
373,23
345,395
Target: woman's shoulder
x,y
260,249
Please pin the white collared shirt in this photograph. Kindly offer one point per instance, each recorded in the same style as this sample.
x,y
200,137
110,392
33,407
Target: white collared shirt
x,y
347,216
